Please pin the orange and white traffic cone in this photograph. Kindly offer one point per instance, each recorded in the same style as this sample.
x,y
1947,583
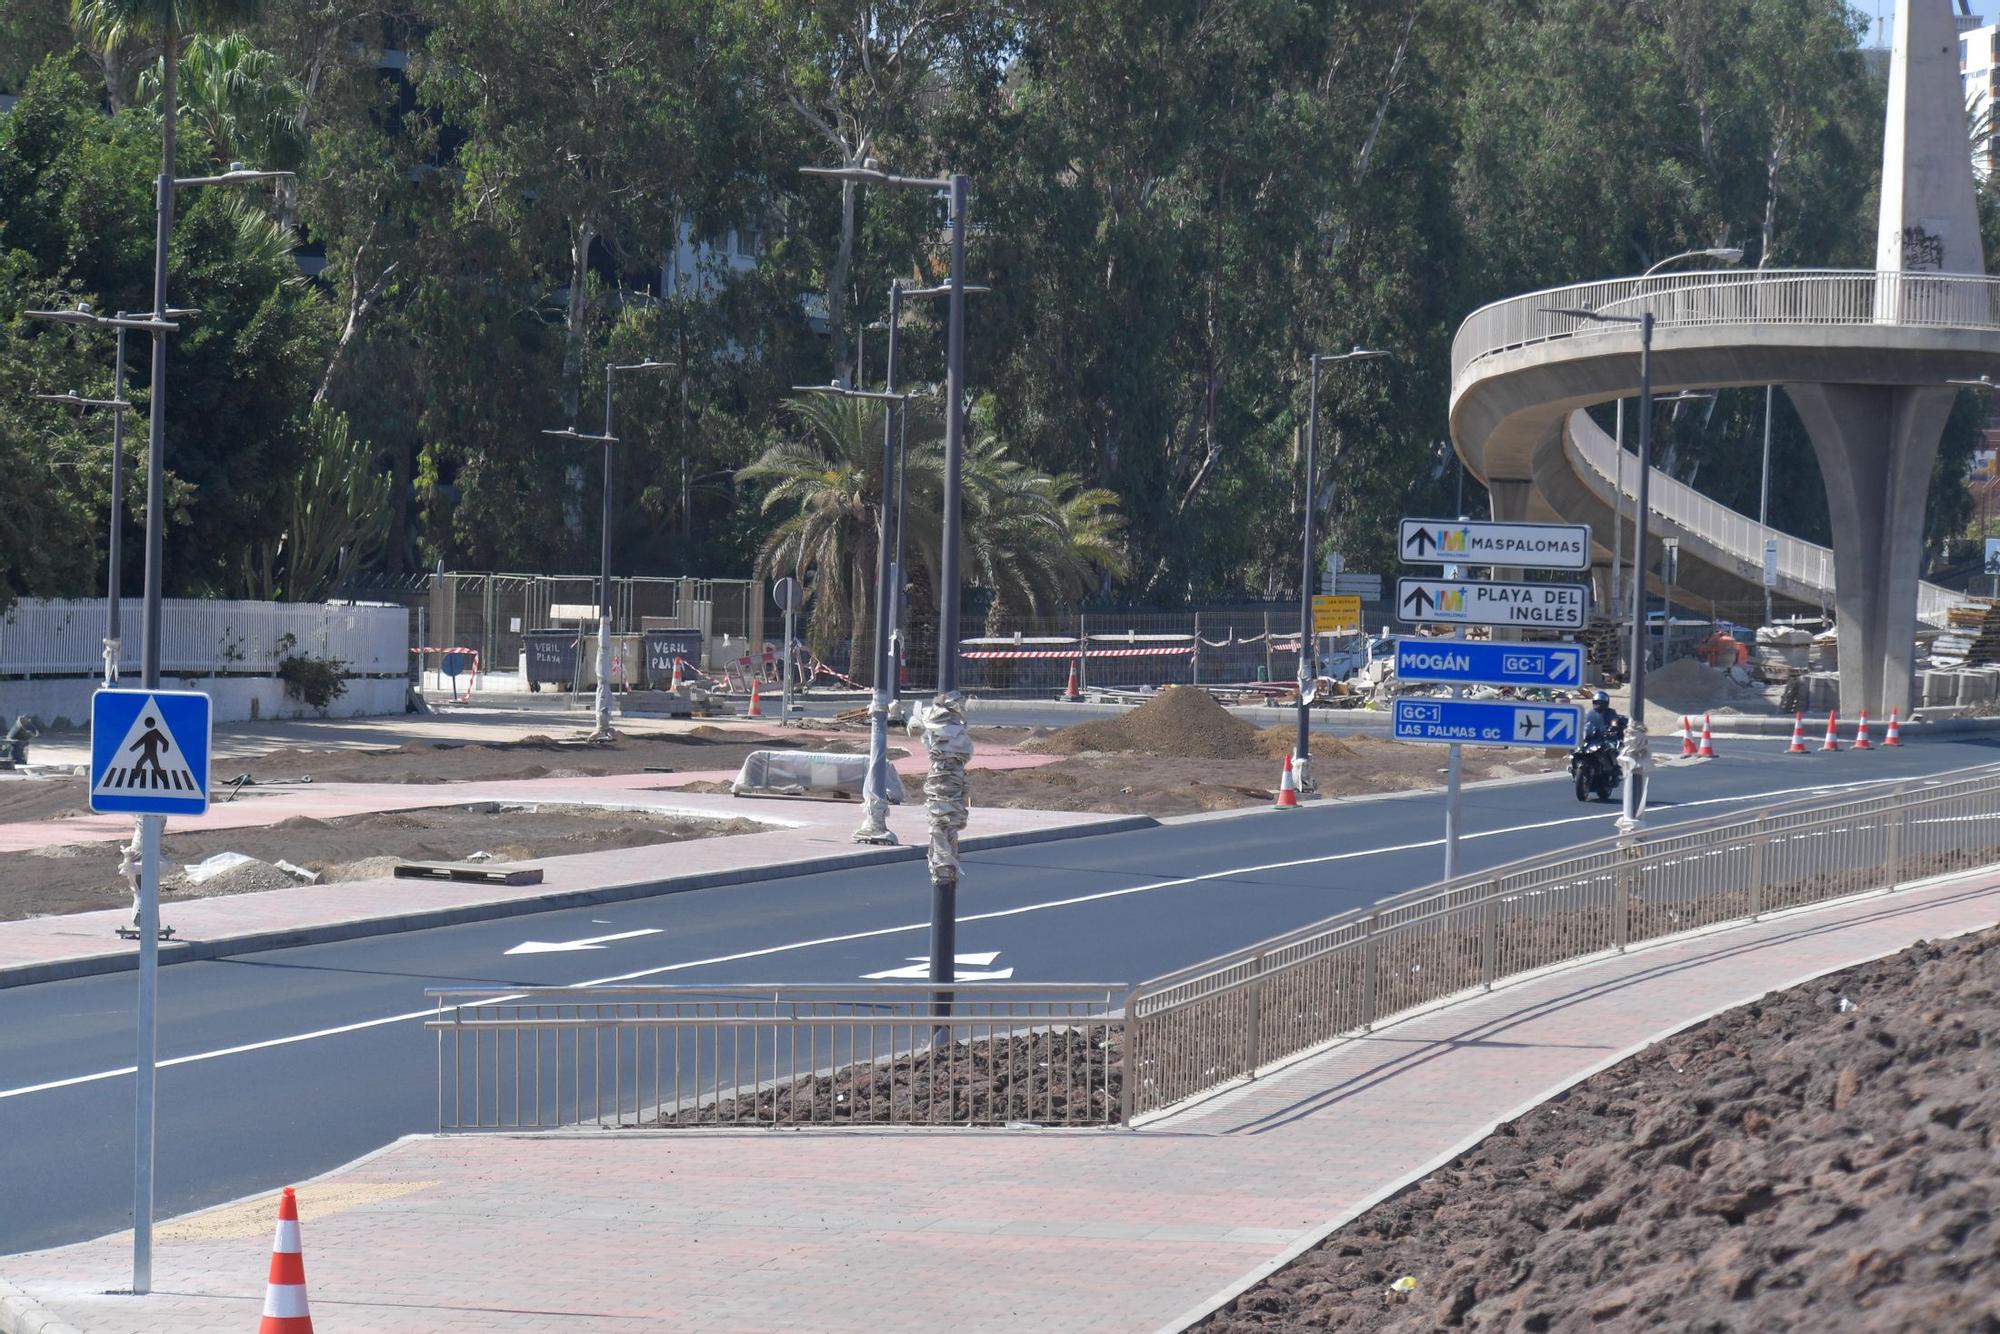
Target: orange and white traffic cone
x,y
1861,741
1798,746
285,1294
675,684
1070,693
1288,789
1707,751
756,701
1687,738
1895,736
1832,741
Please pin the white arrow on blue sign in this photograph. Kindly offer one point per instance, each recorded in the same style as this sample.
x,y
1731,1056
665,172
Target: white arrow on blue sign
x,y
1464,662
149,751
1478,722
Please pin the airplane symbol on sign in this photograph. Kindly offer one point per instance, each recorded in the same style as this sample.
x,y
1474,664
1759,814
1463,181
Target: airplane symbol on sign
x,y
1528,721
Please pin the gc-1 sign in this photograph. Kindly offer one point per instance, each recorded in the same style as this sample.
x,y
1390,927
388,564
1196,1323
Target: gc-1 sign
x,y
1487,723
1465,662
1478,602
1525,546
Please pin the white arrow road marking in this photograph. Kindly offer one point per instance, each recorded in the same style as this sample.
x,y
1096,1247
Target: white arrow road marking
x,y
920,968
588,943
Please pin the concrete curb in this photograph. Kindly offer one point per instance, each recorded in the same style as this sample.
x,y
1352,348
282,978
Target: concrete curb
x,y
186,951
21,1314
1203,1312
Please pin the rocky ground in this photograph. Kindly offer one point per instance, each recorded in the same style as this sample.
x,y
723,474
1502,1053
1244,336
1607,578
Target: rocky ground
x,y
81,877
1822,1159
1058,1077
1181,752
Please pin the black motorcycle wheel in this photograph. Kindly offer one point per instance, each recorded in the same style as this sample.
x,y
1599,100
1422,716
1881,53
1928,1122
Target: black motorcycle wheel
x,y
1582,786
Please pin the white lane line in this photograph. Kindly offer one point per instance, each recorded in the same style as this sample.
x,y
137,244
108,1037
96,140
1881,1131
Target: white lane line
x,y
878,932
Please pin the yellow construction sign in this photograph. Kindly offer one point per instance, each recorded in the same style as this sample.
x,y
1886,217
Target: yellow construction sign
x,y
1335,613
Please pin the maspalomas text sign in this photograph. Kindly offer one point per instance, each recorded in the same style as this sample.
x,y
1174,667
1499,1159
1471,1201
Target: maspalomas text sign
x,y
1524,546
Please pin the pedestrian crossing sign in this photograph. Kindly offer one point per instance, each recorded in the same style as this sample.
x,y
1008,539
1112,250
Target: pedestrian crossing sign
x,y
149,752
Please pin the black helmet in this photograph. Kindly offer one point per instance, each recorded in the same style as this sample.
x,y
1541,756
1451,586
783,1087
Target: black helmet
x,y
1600,698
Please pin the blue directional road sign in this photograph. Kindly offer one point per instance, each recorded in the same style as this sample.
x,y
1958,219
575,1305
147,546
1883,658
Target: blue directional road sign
x,y
149,752
1479,722
1464,662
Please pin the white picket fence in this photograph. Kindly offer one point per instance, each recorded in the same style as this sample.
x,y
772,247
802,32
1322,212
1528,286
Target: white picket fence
x,y
57,638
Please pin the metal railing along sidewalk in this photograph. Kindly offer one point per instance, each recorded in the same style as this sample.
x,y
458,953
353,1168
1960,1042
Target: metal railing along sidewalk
x,y
856,1054
1217,1023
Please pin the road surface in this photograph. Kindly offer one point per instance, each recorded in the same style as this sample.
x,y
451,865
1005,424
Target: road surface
x,y
284,1063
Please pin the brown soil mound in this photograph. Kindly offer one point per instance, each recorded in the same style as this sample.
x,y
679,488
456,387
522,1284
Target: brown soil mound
x,y
1822,1158
1180,720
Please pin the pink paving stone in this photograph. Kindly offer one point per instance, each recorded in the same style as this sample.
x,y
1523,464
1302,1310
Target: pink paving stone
x,y
1032,1231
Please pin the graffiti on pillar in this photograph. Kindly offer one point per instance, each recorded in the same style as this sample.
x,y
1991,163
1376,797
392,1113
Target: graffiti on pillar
x,y
1922,250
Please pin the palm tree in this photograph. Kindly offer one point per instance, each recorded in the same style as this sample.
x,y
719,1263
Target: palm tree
x,y
114,23
1034,539
238,99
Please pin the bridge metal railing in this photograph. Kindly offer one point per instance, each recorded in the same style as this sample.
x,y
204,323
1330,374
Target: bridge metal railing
x,y
1750,296
1219,1022
1805,569
887,1053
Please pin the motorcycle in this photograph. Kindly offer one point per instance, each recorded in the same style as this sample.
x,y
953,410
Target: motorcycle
x,y
1593,766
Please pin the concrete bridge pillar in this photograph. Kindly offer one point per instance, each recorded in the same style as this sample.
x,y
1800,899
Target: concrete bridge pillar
x,y
1876,445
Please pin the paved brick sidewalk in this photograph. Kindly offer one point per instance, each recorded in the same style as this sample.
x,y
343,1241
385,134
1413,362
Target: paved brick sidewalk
x,y
968,1231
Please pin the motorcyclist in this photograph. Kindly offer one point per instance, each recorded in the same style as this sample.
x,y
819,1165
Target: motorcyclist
x,y
1602,723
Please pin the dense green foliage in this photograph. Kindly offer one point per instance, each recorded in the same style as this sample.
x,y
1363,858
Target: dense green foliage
x,y
1175,203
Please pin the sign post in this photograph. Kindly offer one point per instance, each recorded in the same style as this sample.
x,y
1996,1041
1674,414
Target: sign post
x,y
149,752
1458,602
788,595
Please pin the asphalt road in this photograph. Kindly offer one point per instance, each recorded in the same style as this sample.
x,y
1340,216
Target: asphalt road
x,y
284,1063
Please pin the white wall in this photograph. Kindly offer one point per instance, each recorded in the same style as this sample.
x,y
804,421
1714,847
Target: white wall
x,y
65,703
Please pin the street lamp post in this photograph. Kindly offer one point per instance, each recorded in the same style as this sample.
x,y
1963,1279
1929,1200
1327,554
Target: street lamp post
x,y
148,887
1634,756
1308,637
602,734
118,406
945,734
115,543
1728,255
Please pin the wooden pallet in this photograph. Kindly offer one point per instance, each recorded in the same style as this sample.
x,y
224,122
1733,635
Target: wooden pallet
x,y
477,873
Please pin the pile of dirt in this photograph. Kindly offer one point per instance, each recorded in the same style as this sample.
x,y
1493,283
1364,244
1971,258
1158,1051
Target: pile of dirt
x,y
1688,686
1179,721
1820,1158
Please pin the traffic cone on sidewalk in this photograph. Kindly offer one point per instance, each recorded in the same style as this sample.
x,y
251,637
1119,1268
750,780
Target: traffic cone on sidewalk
x,y
1070,694
1895,737
1832,741
756,701
675,684
1861,741
1687,738
1707,751
1288,790
285,1294
1798,746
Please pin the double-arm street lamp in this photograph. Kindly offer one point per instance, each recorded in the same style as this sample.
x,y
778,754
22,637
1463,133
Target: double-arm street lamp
x,y
1633,755
81,315
1308,636
945,734
875,800
601,734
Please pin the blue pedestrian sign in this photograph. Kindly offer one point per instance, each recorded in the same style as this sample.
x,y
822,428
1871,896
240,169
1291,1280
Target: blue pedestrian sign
x,y
1465,662
149,752
1479,722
